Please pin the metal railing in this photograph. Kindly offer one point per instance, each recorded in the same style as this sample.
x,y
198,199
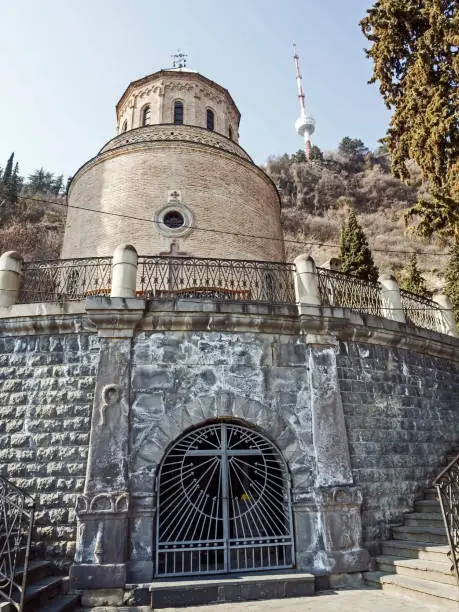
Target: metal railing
x,y
421,311
165,277
344,291
217,279
447,484
16,524
65,279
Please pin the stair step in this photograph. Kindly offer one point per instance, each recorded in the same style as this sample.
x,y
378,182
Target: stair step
x,y
65,603
41,592
417,568
435,593
434,535
36,570
421,519
237,587
432,506
420,550
431,493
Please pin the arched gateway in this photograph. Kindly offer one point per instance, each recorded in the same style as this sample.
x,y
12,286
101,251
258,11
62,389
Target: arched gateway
x,y
223,504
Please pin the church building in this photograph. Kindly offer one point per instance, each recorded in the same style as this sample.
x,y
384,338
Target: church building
x,y
189,404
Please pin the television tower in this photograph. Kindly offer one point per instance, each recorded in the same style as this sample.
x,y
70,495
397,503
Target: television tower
x,y
305,124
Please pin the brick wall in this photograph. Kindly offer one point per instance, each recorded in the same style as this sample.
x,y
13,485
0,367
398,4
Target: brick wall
x,y
402,416
161,90
46,391
223,192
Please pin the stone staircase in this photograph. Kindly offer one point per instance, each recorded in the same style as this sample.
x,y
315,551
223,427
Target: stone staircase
x,y
415,561
45,592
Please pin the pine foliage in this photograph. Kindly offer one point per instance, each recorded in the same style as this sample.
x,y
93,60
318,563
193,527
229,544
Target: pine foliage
x,y
355,255
415,59
412,279
452,279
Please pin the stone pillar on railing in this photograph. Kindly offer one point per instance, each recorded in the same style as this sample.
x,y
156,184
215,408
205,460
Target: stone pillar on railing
x,y
306,282
392,307
124,272
447,320
10,278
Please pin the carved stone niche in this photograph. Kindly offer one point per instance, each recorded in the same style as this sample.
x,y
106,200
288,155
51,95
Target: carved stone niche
x,y
339,508
101,548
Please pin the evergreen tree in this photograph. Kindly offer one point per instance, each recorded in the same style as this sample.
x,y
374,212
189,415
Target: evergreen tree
x,y
353,153
414,52
413,280
57,184
452,279
14,186
316,154
37,181
355,255
8,170
299,156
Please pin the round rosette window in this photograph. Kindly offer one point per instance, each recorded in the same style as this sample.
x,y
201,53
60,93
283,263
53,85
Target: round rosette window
x,y
174,220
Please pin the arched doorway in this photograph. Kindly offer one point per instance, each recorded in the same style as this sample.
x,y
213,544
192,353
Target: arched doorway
x,y
223,504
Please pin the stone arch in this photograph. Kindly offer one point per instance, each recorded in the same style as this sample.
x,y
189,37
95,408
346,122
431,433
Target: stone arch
x,y
159,428
218,482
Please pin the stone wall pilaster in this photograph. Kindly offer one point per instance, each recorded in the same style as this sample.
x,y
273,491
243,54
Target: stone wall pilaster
x,y
102,510
330,513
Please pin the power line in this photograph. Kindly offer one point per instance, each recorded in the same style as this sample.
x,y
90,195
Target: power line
x,y
226,232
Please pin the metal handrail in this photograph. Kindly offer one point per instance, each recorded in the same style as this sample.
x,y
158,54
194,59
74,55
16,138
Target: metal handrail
x,y
65,279
17,510
337,289
447,484
236,280
421,310
163,277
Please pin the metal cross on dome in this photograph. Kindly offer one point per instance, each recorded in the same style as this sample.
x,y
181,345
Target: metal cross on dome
x,y
179,59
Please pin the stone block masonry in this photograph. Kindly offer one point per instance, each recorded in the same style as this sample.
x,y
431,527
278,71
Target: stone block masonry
x,y
401,415
46,393
362,423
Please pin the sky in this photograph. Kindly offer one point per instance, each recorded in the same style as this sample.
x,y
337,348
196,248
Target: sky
x,y
65,63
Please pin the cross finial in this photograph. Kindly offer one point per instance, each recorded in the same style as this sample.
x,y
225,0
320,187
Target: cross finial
x,y
179,59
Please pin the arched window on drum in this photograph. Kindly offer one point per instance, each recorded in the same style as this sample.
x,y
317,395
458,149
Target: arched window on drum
x,y
178,112
210,119
146,116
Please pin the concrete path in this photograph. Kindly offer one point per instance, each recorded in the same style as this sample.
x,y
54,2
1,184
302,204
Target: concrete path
x,y
346,600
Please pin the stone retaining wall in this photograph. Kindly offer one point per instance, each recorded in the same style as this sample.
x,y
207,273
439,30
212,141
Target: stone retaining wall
x,y
402,416
187,362
46,393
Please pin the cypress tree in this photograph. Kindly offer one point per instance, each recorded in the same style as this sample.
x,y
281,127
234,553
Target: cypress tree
x,y
8,170
413,280
355,254
452,279
14,186
414,52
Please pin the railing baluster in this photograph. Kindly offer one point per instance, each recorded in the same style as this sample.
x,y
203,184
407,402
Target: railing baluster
x,y
447,484
421,311
16,523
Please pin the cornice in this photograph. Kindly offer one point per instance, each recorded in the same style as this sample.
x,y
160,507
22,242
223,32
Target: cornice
x,y
117,318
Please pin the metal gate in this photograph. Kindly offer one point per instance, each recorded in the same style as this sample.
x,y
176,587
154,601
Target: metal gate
x,y
223,504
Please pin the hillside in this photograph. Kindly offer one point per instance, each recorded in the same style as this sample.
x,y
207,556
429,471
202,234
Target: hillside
x,y
316,197
32,212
